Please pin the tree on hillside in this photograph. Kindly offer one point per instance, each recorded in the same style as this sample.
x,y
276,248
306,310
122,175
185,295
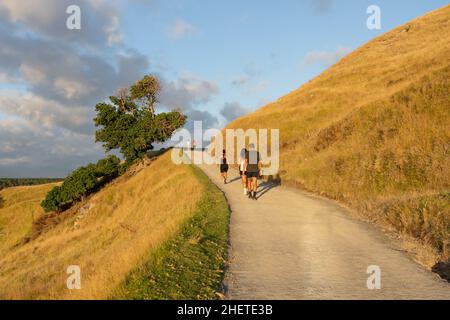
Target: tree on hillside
x,y
129,122
147,91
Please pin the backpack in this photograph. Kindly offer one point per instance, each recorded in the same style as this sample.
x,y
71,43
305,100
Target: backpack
x,y
253,158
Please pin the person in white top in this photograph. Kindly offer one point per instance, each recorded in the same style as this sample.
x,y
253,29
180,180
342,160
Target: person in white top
x,y
242,169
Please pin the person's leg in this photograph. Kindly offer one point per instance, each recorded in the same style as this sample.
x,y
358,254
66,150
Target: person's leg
x,y
244,183
255,187
249,185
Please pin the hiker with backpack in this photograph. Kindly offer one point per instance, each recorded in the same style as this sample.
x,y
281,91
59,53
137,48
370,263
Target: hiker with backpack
x,y
252,168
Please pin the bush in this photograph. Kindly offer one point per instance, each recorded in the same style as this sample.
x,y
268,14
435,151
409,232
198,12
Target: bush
x,y
108,167
81,183
53,200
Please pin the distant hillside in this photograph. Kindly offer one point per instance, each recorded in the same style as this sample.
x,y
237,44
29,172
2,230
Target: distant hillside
x,y
373,131
14,182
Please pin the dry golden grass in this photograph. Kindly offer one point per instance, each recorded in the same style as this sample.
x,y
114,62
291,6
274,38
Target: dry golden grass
x,y
20,207
108,236
374,130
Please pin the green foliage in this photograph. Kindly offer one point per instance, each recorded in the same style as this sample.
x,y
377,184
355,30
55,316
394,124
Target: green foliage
x,y
80,183
129,122
108,167
52,200
147,91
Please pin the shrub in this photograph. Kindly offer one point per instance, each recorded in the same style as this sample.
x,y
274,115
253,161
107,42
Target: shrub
x,y
108,167
53,200
81,183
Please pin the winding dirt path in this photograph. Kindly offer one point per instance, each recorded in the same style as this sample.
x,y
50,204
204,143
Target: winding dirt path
x,y
291,245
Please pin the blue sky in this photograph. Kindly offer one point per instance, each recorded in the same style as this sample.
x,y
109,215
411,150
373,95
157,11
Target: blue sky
x,y
217,60
266,38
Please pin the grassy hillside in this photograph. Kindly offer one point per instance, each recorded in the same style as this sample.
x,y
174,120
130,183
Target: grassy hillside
x,y
191,264
19,207
373,130
107,235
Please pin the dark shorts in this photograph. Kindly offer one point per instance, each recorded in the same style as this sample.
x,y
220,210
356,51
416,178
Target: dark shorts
x,y
252,174
223,168
242,173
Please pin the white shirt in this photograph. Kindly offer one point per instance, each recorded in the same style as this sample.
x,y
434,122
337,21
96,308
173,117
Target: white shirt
x,y
241,164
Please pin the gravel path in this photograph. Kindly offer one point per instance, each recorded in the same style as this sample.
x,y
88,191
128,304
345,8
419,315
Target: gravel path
x,y
291,245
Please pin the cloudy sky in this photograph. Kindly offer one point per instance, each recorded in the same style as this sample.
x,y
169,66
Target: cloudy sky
x,y
217,60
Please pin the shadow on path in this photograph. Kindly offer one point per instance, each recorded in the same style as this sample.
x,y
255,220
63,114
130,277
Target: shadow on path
x,y
265,187
235,179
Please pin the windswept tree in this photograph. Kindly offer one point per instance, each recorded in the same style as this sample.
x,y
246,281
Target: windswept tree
x,y
129,122
147,91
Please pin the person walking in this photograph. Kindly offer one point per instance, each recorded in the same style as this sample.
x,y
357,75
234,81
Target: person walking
x,y
224,167
242,172
253,166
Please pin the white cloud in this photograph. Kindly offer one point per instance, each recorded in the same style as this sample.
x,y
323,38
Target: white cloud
x,y
14,161
113,32
233,110
42,12
181,29
325,57
8,78
187,92
44,113
32,74
28,150
71,88
100,20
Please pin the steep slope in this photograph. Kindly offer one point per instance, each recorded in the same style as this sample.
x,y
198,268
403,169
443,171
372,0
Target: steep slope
x,y
19,207
373,130
107,235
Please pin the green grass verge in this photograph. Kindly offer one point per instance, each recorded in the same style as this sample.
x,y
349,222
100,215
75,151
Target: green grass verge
x,y
191,264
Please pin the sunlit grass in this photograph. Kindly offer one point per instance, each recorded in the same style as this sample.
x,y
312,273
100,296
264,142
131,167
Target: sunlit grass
x,y
375,129
191,264
108,235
